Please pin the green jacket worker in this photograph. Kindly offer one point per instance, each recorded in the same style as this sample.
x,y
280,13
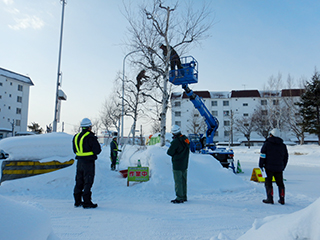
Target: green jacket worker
x,y
179,151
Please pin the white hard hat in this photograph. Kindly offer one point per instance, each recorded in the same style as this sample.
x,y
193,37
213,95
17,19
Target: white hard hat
x,y
275,132
175,129
86,123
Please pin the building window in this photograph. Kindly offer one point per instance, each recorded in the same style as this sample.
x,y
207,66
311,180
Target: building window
x,y
226,133
226,123
19,99
0,83
246,124
226,113
10,95
264,112
177,104
246,114
0,96
10,83
18,122
9,107
225,103
20,88
177,114
178,123
214,103
214,113
245,104
276,102
196,115
18,111
264,102
216,134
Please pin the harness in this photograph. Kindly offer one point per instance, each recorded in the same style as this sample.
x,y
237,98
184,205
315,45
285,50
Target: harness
x,y
79,146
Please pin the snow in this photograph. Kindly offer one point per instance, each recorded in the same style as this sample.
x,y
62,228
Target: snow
x,y
221,205
17,76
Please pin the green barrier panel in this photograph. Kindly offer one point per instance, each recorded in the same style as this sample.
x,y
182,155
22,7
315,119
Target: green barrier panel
x,y
137,174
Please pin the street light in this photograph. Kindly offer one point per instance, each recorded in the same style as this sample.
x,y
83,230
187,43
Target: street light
x,y
123,71
59,93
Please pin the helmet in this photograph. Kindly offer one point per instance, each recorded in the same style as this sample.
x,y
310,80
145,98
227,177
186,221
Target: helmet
x,y
86,123
175,129
275,132
114,134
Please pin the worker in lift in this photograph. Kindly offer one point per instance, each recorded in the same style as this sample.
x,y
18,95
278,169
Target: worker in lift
x,y
174,57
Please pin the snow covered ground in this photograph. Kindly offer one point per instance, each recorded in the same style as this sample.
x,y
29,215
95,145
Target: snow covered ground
x,y
221,205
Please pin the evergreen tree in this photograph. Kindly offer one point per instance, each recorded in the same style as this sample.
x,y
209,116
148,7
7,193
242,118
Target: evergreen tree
x,y
310,106
35,127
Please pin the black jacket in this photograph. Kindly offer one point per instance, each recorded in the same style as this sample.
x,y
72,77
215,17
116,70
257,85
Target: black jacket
x,y
274,155
90,144
114,149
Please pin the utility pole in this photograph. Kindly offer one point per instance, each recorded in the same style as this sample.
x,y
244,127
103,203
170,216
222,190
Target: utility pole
x,y
59,92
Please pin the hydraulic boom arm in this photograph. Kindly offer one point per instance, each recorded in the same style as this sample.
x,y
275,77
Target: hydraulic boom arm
x,y
211,121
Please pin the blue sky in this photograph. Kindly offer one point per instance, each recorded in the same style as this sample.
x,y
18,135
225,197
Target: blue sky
x,y
250,41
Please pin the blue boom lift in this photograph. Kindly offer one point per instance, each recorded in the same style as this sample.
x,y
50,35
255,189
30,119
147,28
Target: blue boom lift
x,y
189,75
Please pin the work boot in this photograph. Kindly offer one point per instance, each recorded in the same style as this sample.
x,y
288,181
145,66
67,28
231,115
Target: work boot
x,y
177,201
89,205
281,196
77,199
270,201
269,196
78,204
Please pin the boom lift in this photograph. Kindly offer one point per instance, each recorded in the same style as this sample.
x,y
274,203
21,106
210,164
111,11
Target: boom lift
x,y
189,75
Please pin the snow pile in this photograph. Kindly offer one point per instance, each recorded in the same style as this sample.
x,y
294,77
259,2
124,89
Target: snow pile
x,y
24,221
37,147
303,224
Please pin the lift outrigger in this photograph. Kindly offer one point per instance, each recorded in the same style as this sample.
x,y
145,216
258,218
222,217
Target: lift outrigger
x,y
189,75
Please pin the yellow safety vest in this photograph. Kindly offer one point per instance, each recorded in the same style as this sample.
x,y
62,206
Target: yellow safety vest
x,y
79,147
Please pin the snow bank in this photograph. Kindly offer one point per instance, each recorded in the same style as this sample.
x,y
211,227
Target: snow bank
x,y
303,224
24,221
38,146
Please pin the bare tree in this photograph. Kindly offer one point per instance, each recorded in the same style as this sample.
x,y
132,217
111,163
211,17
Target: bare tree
x,y
271,97
290,98
245,125
165,24
196,124
96,125
261,122
134,96
111,113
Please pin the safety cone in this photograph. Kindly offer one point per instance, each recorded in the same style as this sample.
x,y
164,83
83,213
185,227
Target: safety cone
x,y
239,170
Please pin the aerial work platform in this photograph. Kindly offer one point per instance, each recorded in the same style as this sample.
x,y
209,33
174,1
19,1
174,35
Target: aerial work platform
x,y
187,75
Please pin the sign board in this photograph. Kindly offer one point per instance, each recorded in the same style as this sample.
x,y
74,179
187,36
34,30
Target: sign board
x,y
138,174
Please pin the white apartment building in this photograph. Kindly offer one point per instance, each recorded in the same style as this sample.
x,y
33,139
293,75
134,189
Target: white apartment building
x,y
14,102
226,107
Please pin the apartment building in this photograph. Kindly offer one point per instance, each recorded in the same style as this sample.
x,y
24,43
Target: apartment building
x,y
14,102
229,106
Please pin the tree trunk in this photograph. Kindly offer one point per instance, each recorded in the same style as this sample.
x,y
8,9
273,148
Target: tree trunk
x,y
164,111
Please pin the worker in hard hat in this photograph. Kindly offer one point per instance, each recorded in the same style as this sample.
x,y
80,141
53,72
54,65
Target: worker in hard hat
x,y
114,151
86,147
179,151
274,159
